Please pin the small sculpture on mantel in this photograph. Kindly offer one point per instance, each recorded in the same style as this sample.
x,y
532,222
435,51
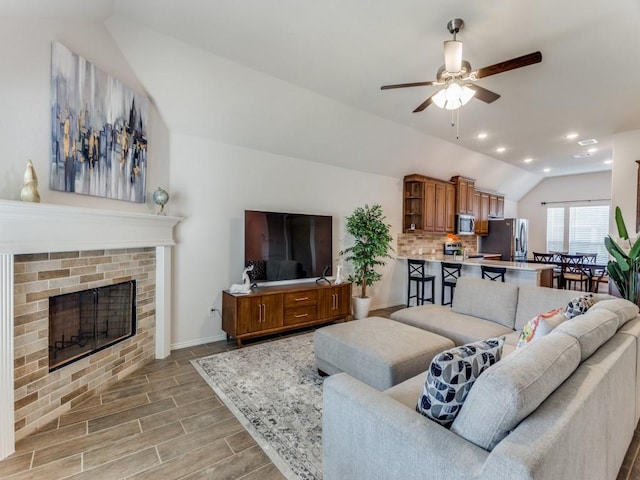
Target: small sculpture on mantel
x,y
29,192
245,286
160,197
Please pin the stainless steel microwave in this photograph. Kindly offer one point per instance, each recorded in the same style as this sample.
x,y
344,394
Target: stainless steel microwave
x,y
465,224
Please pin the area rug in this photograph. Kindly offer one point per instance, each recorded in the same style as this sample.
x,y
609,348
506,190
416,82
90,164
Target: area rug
x,y
275,391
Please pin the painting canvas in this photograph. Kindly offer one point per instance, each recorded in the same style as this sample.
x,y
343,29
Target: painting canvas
x,y
98,131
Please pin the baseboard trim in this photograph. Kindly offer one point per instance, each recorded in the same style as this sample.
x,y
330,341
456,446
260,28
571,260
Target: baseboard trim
x,y
198,341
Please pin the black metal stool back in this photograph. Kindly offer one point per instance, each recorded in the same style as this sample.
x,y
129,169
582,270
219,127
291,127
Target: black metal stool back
x,y
450,275
417,275
493,273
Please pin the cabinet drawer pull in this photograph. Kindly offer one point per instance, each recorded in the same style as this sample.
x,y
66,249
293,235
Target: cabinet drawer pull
x,y
302,299
301,315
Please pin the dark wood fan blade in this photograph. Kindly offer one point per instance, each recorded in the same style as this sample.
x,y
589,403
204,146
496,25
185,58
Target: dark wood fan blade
x,y
405,85
423,105
483,94
523,61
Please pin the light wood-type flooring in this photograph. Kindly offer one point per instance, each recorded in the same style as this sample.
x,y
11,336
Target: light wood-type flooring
x,y
162,422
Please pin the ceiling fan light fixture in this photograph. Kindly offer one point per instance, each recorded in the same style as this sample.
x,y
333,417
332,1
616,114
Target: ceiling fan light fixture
x,y
453,56
453,96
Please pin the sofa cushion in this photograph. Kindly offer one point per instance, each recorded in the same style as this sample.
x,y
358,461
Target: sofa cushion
x,y
579,305
451,376
461,329
591,330
541,325
511,389
406,392
493,301
532,300
624,309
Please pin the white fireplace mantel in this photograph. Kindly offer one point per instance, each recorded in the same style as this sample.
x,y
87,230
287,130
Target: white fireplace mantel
x,y
42,228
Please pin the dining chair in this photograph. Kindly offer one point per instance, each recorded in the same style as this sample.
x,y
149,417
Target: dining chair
x,y
589,257
549,257
543,257
417,275
573,272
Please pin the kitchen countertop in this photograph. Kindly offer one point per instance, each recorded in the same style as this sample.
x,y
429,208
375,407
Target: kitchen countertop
x,y
438,258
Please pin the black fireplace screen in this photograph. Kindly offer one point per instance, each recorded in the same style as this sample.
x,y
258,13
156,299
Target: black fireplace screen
x,y
84,322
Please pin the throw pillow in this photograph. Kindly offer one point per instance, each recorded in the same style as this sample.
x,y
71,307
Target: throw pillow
x,y
540,325
579,305
451,375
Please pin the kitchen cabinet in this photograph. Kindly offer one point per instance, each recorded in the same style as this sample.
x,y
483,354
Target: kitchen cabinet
x,y
500,211
429,205
496,205
413,205
481,212
465,188
450,208
273,309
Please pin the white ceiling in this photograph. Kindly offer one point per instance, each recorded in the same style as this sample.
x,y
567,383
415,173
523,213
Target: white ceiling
x,y
588,81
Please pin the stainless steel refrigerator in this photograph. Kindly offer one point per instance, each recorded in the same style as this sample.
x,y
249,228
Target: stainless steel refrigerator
x,y
509,237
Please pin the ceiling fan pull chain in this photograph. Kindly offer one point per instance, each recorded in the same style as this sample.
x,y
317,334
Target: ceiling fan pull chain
x,y
457,124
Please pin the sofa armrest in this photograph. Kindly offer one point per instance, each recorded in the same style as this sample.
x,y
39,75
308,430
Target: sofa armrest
x,y
369,435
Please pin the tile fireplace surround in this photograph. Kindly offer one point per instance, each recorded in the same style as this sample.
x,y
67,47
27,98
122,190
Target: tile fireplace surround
x,y
46,237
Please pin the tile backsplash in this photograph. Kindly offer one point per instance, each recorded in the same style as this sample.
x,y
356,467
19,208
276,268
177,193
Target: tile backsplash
x,y
409,243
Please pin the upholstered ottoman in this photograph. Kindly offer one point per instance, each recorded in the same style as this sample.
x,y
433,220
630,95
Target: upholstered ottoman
x,y
377,351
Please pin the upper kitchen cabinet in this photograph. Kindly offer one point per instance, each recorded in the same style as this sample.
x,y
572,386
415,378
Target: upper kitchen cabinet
x,y
429,205
413,204
464,194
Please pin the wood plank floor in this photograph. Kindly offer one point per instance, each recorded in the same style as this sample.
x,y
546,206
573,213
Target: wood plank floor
x,y
163,422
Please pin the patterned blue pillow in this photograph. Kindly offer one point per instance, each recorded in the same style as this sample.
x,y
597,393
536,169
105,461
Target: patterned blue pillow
x,y
579,305
451,375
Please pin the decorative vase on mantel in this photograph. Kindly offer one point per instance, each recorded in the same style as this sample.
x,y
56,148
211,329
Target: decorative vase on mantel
x,y
29,192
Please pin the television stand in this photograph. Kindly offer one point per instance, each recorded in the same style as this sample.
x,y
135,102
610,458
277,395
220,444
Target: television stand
x,y
274,309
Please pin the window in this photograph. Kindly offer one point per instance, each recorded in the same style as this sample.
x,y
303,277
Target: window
x,y
578,228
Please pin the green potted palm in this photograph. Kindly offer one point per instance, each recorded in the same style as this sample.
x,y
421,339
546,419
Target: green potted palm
x,y
624,267
372,243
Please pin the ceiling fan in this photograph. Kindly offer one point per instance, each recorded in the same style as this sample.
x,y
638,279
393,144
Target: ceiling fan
x,y
457,78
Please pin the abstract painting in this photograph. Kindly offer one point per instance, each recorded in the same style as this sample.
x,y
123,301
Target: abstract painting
x,y
98,131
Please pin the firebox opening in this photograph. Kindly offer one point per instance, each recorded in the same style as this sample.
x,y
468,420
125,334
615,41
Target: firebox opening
x,y
85,322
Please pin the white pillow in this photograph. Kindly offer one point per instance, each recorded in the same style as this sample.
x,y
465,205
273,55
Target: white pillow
x,y
541,325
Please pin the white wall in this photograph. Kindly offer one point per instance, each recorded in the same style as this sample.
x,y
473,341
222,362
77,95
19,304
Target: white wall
x,y
626,150
25,53
216,182
589,186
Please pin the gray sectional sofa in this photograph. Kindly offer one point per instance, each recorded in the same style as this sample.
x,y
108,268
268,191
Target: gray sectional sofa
x,y
563,407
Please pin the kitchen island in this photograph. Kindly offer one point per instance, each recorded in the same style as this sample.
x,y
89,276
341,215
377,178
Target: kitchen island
x,y
522,273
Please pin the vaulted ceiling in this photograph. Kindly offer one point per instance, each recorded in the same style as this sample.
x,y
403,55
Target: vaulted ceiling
x,y
587,82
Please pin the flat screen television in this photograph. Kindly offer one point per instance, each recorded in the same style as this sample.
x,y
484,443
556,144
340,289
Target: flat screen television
x,y
287,246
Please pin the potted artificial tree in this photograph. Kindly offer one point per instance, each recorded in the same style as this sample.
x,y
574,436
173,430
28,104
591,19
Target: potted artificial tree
x,y
625,266
372,242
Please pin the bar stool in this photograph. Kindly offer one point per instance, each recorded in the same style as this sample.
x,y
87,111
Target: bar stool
x,y
418,275
450,275
493,273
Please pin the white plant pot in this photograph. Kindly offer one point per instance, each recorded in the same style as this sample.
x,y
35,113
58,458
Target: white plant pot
x,y
361,307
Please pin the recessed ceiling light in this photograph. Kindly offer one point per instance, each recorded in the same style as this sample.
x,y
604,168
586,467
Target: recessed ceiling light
x,y
500,149
482,135
546,170
528,160
588,141
592,150
571,136
608,162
